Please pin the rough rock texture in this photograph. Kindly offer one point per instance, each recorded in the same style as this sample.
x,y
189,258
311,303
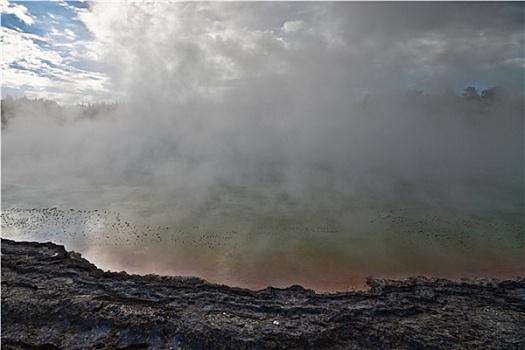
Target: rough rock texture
x,y
54,299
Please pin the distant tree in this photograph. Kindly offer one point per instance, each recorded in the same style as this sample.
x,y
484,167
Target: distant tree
x,y
488,94
8,110
95,109
470,93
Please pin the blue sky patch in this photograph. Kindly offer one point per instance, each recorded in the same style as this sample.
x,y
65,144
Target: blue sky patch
x,y
58,40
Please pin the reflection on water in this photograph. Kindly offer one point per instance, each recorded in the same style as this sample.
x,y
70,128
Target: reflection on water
x,y
252,238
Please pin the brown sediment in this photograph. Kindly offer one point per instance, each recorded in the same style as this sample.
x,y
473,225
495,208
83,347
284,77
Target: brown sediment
x,y
323,273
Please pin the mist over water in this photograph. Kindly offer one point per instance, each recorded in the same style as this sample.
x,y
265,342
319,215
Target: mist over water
x,y
256,157
319,222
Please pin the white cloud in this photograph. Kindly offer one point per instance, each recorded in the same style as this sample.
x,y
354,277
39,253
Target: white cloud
x,y
192,49
220,44
69,34
35,69
19,48
18,10
292,26
65,33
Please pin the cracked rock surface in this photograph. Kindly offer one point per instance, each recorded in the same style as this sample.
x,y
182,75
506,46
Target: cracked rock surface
x,y
54,299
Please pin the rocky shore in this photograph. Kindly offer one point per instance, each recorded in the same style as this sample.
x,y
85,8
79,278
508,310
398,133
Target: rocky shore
x,y
54,299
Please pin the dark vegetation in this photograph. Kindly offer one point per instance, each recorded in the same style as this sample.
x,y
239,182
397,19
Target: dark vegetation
x,y
470,98
12,107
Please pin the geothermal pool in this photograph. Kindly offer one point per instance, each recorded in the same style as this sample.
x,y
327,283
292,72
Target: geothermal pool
x,y
253,238
269,144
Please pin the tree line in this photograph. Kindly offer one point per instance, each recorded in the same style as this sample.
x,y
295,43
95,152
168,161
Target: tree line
x,y
12,107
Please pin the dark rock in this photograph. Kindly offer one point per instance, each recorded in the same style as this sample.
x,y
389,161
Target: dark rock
x,y
53,299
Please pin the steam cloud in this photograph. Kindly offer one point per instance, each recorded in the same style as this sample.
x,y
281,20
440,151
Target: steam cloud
x,y
262,117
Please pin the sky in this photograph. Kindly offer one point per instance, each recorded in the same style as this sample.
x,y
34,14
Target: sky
x,y
47,52
282,134
75,52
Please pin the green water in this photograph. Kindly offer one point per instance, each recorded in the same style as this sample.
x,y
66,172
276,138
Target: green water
x,y
253,238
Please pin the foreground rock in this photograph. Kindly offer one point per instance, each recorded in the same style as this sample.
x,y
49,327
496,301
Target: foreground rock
x,y
54,299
